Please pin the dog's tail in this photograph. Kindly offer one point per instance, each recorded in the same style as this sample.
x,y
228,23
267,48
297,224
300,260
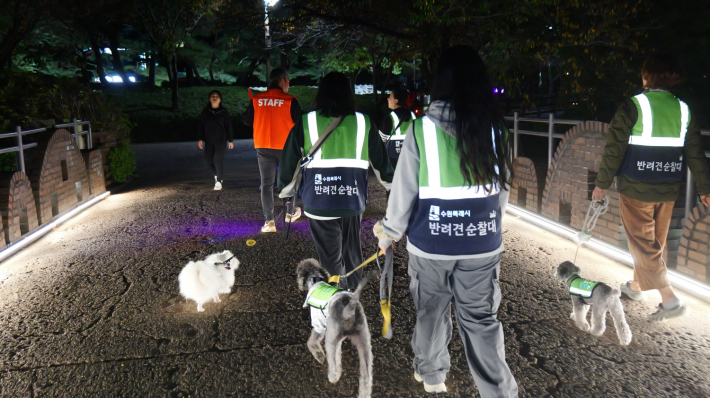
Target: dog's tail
x,y
307,269
363,282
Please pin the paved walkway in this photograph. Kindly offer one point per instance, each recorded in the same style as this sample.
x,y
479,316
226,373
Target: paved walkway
x,y
92,309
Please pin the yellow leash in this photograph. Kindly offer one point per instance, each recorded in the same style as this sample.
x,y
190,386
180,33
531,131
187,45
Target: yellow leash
x,y
385,305
336,278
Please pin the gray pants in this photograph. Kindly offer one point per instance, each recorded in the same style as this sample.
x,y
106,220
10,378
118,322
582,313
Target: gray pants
x,y
338,246
268,164
472,285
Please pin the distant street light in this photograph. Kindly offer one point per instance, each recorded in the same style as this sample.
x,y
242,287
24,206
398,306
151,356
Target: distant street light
x,y
267,38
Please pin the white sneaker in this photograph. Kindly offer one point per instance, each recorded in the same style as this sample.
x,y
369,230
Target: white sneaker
x,y
295,216
269,226
217,186
431,388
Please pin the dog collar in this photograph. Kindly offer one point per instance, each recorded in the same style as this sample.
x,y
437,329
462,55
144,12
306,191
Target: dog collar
x,y
226,262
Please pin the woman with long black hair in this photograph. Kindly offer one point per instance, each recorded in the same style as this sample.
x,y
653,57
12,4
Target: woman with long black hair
x,y
334,185
215,135
448,195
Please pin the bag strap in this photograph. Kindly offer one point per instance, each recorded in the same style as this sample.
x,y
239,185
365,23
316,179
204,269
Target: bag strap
x,y
395,129
326,133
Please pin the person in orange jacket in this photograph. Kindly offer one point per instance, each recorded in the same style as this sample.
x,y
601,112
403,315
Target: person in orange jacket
x,y
272,113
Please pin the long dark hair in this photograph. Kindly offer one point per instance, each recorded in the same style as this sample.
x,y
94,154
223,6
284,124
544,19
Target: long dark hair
x,y
335,96
462,82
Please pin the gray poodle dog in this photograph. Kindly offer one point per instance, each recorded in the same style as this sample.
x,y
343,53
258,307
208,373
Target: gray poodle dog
x,y
340,317
600,296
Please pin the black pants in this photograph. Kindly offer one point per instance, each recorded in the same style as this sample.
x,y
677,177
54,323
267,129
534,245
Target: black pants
x,y
268,164
338,245
215,152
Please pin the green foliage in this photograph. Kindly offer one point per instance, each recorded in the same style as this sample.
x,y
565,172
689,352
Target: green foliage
x,y
32,100
8,161
122,162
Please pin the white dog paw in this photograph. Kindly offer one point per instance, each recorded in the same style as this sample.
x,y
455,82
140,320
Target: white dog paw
x,y
583,327
571,315
217,300
333,378
597,332
200,309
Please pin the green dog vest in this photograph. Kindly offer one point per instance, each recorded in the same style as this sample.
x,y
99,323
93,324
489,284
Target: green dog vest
x,y
582,287
321,295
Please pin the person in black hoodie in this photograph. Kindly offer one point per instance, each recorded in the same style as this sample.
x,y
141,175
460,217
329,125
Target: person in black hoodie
x,y
215,135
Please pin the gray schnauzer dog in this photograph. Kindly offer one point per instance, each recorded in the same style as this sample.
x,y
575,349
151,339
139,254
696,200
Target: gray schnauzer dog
x,y
336,314
600,296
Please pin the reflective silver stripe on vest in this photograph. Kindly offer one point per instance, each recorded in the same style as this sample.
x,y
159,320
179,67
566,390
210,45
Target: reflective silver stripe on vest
x,y
435,190
398,135
646,138
318,161
581,292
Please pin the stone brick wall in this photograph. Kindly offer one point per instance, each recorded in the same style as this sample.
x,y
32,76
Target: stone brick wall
x,y
58,175
525,190
95,171
17,205
694,245
570,181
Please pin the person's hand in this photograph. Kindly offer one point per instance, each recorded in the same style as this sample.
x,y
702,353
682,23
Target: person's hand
x,y
230,145
200,144
705,199
383,249
598,193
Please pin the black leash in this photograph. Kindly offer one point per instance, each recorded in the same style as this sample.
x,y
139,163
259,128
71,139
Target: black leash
x,y
226,262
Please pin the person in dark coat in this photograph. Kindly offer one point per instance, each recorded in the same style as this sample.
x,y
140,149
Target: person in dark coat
x,y
215,135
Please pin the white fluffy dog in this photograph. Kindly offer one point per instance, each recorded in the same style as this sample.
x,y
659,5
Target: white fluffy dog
x,y
601,297
205,280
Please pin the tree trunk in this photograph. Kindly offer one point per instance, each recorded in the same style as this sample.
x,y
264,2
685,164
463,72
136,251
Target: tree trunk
x,y
99,58
214,56
284,60
176,95
244,76
197,74
116,58
151,69
189,74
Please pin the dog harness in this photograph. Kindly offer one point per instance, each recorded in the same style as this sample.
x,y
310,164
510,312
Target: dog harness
x,y
320,294
318,297
580,286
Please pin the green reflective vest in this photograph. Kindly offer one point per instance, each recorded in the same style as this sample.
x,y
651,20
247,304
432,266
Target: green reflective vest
x,y
321,294
582,287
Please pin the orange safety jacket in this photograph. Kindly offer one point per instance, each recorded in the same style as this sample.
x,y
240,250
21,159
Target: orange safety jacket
x,y
272,118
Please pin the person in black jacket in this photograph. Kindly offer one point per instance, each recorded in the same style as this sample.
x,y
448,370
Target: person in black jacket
x,y
395,125
215,135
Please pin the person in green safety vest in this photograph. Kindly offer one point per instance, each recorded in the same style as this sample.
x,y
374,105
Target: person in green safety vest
x,y
334,188
448,196
395,125
652,139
